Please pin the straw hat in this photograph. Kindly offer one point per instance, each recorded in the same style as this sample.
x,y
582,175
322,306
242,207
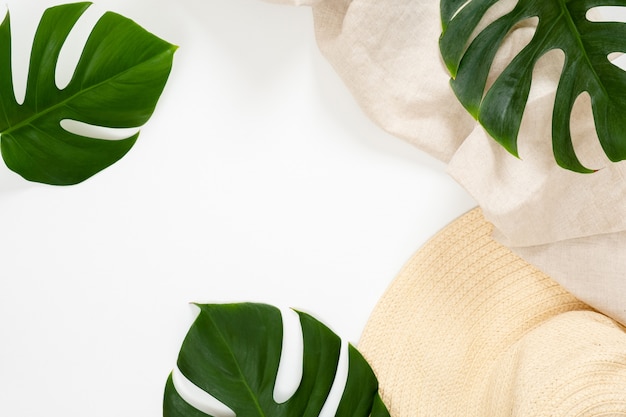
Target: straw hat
x,y
470,329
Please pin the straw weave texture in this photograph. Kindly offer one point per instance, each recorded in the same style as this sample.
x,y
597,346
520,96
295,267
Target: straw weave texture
x,y
470,329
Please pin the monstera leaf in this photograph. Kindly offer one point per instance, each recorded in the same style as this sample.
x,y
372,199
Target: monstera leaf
x,y
562,24
233,352
119,78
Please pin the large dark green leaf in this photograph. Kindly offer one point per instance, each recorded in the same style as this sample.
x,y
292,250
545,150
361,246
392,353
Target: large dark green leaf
x,y
562,25
119,78
233,351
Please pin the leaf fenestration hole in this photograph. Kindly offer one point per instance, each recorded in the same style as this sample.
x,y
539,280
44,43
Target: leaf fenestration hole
x,y
198,398
339,384
23,27
97,132
515,41
73,47
535,134
461,8
584,136
290,367
607,14
495,12
614,55
618,59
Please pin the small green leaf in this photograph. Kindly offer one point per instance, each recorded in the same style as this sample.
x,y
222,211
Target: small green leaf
x,y
118,80
232,352
562,25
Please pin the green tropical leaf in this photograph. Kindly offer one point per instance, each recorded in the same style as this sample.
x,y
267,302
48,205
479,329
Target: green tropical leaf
x,y
562,24
117,82
233,351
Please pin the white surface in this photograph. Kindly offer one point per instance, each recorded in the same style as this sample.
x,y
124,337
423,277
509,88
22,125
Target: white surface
x,y
257,179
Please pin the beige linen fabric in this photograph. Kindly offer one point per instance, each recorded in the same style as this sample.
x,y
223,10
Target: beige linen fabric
x,y
565,223
387,53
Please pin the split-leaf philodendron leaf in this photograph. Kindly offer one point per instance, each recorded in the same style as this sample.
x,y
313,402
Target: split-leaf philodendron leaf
x,y
562,24
119,78
232,352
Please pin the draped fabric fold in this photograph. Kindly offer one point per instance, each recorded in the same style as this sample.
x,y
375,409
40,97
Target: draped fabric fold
x,y
572,226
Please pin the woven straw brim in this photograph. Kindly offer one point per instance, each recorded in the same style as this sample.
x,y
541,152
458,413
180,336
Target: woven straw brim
x,y
470,329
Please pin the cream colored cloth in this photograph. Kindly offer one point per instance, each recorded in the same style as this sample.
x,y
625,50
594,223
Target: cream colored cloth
x,y
572,226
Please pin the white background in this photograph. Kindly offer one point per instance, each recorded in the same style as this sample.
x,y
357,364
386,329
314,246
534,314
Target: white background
x,y
257,179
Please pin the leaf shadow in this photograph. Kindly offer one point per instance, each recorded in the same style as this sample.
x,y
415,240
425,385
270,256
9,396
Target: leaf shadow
x,y
12,183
